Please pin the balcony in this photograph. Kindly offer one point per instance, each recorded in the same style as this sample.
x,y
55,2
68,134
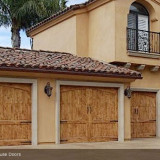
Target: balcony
x,y
141,41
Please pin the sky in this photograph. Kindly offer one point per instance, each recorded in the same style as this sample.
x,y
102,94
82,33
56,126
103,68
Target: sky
x,y
5,34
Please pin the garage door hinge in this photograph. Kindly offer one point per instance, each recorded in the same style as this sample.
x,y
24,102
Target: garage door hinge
x,y
27,142
152,120
64,140
27,122
63,121
114,121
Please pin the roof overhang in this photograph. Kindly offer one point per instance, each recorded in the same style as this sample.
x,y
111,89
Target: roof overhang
x,y
34,70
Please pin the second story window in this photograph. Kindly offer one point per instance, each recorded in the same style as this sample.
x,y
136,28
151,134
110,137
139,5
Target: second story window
x,y
138,28
138,17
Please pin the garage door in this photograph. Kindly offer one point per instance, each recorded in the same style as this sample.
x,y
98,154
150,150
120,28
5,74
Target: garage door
x,y
15,114
88,114
143,115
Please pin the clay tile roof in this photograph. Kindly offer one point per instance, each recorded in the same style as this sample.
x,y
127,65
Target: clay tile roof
x,y
58,62
72,7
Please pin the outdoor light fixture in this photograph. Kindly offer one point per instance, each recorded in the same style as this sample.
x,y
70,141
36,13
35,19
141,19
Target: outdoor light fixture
x,y
128,92
48,89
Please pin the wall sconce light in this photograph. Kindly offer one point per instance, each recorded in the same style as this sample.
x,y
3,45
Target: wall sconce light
x,y
48,89
128,92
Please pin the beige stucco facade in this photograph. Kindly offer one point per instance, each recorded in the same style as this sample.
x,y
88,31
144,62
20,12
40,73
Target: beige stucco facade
x,y
46,107
99,31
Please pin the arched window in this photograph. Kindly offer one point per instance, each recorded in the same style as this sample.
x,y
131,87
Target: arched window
x,y
138,28
138,17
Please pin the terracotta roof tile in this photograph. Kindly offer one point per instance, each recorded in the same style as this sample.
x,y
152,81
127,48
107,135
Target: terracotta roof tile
x,y
72,7
58,62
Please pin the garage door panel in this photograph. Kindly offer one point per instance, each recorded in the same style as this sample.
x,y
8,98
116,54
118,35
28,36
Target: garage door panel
x,y
15,111
15,114
88,114
143,115
73,114
15,131
104,132
73,102
104,104
74,132
144,130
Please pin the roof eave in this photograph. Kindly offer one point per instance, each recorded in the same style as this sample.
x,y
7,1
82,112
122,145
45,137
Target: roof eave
x,y
114,75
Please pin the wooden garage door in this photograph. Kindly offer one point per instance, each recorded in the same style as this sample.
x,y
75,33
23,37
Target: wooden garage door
x,y
143,115
15,114
88,114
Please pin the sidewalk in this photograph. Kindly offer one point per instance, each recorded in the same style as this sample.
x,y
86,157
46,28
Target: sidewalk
x,y
150,143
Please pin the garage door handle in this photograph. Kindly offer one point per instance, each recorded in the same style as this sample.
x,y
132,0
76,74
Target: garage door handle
x,y
136,111
88,110
63,121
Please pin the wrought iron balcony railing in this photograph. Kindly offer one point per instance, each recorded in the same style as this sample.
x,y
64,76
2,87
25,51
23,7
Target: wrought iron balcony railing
x,y
143,41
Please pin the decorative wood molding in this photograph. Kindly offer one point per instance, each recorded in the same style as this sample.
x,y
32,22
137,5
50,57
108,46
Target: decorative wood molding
x,y
154,20
154,69
156,1
127,65
141,67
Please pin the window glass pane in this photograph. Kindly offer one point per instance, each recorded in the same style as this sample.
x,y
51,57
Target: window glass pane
x,y
136,7
132,21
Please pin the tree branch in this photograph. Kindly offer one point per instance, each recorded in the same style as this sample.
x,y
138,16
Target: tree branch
x,y
5,7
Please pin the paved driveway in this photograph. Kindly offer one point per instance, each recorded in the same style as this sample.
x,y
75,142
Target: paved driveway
x,y
134,144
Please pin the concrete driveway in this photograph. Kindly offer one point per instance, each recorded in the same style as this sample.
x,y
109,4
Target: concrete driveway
x,y
150,143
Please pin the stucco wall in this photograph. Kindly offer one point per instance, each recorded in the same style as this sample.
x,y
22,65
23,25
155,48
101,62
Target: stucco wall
x,y
99,32
46,112
102,32
122,10
85,34
61,37
82,37
150,80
